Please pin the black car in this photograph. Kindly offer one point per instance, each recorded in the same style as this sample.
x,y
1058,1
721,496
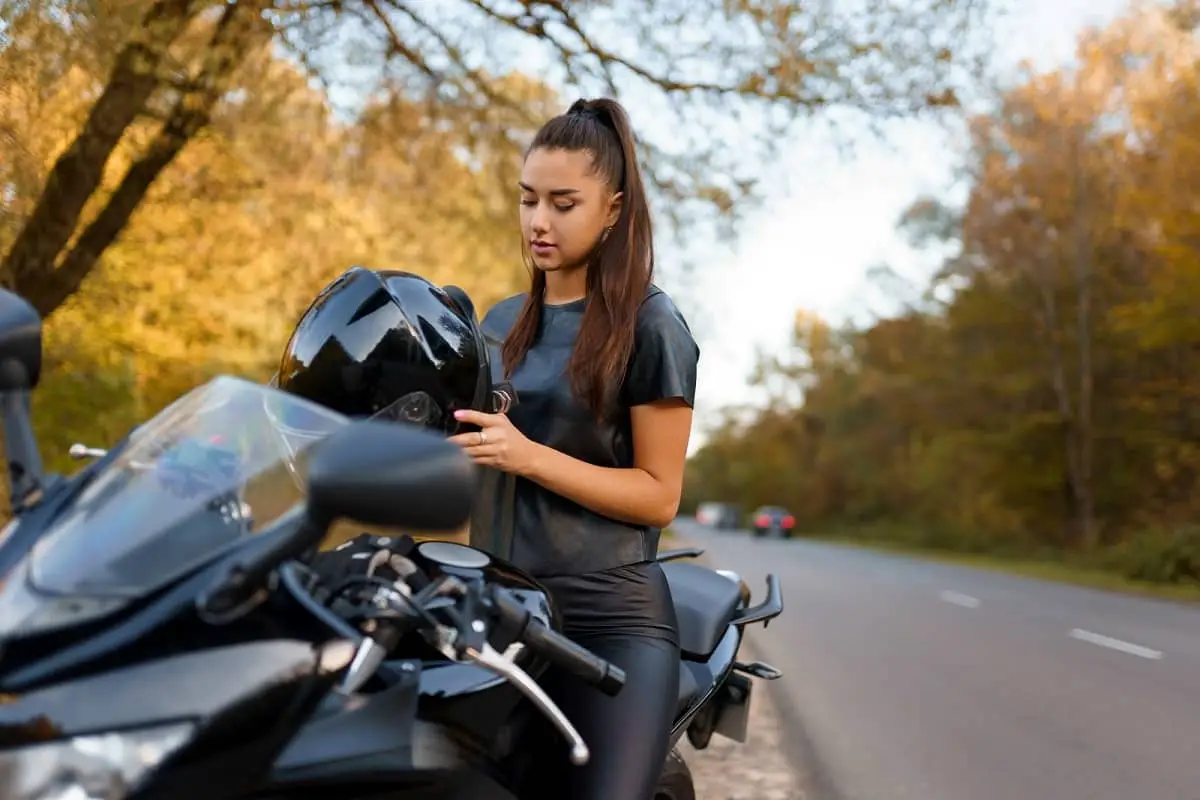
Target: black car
x,y
773,519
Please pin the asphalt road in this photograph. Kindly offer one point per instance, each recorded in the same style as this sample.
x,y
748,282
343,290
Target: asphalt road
x,y
910,680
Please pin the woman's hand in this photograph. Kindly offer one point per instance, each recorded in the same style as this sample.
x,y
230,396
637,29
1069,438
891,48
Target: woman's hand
x,y
497,443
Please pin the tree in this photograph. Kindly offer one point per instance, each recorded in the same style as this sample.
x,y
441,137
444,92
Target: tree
x,y
748,61
238,233
1046,404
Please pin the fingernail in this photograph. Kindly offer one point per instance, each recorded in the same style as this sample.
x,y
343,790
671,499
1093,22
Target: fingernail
x,y
458,415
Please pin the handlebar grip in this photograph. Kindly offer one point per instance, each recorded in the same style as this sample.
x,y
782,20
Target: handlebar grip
x,y
579,661
558,649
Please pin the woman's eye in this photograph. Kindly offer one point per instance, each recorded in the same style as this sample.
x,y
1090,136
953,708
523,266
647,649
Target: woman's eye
x,y
530,202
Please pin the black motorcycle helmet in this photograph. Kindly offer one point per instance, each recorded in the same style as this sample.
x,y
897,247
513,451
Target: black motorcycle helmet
x,y
391,345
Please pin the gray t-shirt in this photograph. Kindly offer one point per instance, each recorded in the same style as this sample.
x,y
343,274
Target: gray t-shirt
x,y
552,537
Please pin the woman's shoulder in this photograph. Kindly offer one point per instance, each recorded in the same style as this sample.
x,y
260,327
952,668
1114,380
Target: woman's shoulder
x,y
658,310
665,354
500,317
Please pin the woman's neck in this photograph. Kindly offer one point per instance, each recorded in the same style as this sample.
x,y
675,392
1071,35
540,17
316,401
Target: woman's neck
x,y
565,286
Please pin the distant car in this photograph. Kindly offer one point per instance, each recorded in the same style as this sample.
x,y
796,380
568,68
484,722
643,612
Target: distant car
x,y
773,519
722,516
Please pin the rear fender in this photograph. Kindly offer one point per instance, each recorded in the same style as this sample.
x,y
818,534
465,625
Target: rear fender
x,y
711,676
724,708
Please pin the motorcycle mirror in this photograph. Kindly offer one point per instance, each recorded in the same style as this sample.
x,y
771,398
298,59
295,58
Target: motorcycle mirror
x,y
20,370
20,344
391,475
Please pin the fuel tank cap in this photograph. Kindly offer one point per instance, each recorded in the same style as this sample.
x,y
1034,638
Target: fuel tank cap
x,y
451,554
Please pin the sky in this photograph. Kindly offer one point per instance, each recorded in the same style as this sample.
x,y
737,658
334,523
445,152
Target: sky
x,y
811,244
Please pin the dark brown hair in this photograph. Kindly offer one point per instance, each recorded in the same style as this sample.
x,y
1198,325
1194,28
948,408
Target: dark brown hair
x,y
620,268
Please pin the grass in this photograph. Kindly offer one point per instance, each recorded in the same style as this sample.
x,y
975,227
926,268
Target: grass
x,y
1044,570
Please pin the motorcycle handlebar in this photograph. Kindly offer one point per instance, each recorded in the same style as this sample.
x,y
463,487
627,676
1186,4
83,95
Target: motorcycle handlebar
x,y
556,648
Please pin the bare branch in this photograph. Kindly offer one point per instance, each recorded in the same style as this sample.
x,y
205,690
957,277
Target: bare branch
x,y
396,43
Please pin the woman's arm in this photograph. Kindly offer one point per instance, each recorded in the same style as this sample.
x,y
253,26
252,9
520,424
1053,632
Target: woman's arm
x,y
659,390
648,493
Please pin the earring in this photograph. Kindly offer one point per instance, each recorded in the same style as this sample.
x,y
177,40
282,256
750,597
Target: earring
x,y
607,231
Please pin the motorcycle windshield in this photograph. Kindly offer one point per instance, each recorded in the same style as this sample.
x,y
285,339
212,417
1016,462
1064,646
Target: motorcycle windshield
x,y
217,466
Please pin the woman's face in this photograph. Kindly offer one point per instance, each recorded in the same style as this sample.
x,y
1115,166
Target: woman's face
x,y
565,207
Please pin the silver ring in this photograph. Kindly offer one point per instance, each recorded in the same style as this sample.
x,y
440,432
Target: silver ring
x,y
482,438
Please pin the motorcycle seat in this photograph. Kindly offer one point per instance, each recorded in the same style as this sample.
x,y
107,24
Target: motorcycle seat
x,y
705,602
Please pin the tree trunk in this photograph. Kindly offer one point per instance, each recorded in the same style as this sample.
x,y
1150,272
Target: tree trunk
x,y
1084,490
240,29
79,170
1059,383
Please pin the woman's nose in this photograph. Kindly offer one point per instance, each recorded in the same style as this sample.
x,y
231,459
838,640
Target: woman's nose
x,y
541,220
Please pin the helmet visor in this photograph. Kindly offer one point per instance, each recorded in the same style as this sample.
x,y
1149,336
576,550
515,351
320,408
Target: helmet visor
x,y
414,408
299,424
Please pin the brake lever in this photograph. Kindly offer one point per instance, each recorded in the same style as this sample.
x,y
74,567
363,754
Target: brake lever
x,y
488,658
405,608
371,652
468,640
367,657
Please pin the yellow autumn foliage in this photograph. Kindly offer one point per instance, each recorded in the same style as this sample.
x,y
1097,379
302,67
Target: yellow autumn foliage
x,y
267,205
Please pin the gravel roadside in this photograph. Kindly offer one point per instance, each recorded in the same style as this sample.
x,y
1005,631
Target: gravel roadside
x,y
759,768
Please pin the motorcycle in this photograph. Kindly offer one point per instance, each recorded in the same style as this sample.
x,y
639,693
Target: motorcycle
x,y
162,635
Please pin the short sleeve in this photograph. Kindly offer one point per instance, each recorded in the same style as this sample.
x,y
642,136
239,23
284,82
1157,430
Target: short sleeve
x,y
665,356
496,324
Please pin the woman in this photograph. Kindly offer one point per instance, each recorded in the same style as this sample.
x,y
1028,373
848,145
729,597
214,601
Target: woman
x,y
604,367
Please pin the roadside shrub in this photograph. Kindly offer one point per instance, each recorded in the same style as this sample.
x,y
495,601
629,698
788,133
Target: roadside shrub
x,y
1160,556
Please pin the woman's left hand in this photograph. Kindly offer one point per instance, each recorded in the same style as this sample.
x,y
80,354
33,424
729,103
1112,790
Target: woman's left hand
x,y
497,443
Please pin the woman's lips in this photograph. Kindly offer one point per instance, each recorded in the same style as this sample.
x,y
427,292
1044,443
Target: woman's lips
x,y
541,248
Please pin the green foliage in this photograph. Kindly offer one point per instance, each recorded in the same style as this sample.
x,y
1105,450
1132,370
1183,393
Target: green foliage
x,y
1160,556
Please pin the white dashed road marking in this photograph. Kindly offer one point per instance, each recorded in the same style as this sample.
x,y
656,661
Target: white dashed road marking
x,y
1115,644
959,599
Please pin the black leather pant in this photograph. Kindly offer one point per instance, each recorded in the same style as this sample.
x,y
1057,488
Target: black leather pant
x,y
627,734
